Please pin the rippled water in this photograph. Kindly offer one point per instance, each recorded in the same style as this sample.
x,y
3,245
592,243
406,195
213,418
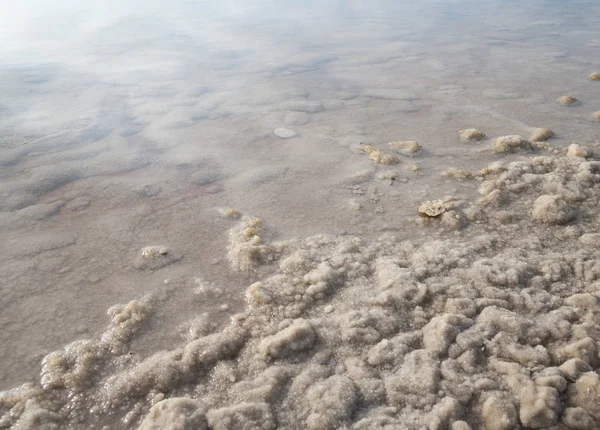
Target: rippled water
x,y
129,124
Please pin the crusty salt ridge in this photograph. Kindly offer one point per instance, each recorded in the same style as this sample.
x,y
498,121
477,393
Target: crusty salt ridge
x,y
494,328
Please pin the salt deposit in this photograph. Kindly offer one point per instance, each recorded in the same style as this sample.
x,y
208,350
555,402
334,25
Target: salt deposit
x,y
595,76
541,134
464,332
457,292
471,134
435,208
378,156
567,100
576,150
405,147
510,143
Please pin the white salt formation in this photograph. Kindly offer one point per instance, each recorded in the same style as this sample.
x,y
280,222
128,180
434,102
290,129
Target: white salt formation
x,y
595,76
492,328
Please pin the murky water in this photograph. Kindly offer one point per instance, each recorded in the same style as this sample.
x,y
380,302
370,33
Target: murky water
x,y
130,124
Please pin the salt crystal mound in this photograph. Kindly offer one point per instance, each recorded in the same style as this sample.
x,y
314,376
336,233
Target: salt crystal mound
x,y
496,328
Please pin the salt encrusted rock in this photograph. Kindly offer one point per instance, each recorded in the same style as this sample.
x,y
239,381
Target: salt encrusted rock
x,y
378,156
541,134
178,413
595,76
256,416
434,208
408,146
510,143
151,252
471,134
499,414
155,257
284,133
576,150
552,209
567,100
539,406
297,337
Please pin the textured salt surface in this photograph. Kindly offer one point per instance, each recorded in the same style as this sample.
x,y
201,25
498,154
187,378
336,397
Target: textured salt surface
x,y
494,328
132,170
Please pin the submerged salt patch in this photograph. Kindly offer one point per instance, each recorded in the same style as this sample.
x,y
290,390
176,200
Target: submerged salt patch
x,y
284,133
296,118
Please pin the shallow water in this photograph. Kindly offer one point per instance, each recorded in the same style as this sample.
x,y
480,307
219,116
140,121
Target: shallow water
x,y
126,125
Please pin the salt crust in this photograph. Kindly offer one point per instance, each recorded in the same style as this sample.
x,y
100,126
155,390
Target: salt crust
x,y
495,328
